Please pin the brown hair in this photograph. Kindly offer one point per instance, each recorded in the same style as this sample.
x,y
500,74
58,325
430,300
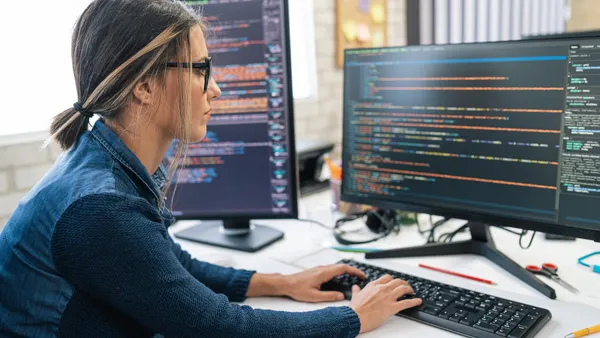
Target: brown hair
x,y
115,44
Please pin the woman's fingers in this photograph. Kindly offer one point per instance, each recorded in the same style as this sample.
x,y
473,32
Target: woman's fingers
x,y
407,304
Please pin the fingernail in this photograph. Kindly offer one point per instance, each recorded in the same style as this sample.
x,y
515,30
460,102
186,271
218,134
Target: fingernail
x,y
340,297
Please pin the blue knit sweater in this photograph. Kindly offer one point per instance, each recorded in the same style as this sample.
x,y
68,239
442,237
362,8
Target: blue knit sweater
x,y
87,254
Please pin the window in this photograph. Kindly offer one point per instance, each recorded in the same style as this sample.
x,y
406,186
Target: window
x,y
457,21
37,74
37,69
302,35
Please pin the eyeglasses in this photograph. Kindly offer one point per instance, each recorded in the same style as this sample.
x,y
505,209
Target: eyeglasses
x,y
204,65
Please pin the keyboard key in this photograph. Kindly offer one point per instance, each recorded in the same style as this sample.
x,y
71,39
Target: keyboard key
x,y
486,327
432,310
514,321
470,319
486,319
504,331
518,332
447,295
493,313
535,314
446,314
519,315
457,317
503,317
498,322
467,322
528,321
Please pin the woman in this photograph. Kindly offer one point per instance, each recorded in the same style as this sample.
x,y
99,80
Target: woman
x,y
87,251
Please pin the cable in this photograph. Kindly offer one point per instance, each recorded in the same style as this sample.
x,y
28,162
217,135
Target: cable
x,y
511,231
431,237
388,222
530,241
323,225
315,222
447,237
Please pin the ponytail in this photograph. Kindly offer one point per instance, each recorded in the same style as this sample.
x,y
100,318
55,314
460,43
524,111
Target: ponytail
x,y
68,126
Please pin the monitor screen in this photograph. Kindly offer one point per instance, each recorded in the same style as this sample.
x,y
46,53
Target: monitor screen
x,y
509,130
245,167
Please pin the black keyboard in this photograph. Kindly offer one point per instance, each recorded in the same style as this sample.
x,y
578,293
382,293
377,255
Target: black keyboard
x,y
461,311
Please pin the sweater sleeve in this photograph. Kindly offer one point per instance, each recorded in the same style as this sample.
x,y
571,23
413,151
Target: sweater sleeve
x,y
228,281
123,256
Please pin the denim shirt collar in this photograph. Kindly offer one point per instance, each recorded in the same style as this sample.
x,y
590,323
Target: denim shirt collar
x,y
119,151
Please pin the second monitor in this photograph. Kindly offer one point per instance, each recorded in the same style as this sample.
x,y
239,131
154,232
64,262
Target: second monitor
x,y
245,168
497,133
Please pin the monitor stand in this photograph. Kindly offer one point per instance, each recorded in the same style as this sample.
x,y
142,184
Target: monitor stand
x,y
237,235
482,244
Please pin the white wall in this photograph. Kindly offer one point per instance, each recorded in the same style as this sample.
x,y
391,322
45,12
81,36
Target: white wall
x,y
22,163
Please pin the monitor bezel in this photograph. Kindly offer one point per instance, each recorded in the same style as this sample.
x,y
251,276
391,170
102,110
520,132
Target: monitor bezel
x,y
467,215
293,161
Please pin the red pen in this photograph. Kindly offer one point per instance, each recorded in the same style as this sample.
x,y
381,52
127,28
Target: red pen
x,y
477,279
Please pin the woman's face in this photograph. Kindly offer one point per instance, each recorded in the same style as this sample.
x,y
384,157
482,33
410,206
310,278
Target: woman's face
x,y
200,100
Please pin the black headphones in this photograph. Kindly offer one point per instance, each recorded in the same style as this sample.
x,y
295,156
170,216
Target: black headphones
x,y
379,221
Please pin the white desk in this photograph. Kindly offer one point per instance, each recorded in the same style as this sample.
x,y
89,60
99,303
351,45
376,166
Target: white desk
x,y
305,245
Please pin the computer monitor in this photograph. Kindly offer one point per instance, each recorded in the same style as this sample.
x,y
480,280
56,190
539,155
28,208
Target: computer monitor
x,y
245,168
504,133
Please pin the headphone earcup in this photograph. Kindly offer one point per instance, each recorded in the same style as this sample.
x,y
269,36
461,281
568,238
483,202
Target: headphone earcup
x,y
375,224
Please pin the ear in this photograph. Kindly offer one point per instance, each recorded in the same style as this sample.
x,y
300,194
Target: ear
x,y
144,91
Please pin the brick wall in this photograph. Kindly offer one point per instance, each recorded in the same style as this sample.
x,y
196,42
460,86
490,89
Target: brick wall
x,y
23,163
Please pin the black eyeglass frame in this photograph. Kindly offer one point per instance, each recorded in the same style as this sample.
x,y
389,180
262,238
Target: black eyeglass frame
x,y
204,65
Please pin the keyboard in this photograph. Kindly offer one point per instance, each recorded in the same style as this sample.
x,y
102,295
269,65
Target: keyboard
x,y
461,311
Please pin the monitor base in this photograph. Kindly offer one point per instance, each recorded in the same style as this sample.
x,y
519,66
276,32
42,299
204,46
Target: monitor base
x,y
236,235
482,244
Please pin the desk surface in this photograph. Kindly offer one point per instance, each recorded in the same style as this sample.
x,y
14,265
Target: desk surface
x,y
306,245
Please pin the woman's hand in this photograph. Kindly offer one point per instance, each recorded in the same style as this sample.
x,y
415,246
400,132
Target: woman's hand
x,y
305,286
378,301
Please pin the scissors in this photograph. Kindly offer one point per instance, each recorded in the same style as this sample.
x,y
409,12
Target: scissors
x,y
550,270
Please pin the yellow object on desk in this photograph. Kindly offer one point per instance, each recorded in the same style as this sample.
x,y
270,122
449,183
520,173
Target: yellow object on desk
x,y
584,332
336,189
